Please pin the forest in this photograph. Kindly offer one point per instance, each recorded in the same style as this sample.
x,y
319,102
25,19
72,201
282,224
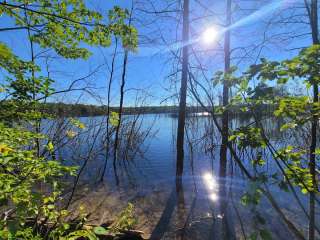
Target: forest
x,y
83,110
159,119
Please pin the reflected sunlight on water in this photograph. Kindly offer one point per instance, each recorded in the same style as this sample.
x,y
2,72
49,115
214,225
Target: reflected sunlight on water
x,y
211,185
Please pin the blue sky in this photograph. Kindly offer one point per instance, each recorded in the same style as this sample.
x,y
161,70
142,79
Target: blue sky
x,y
151,65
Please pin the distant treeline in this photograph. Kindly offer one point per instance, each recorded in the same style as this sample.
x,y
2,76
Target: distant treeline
x,y
83,110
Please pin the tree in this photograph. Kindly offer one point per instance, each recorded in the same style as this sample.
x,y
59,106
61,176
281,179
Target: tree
x,y
61,26
183,90
108,109
225,95
297,111
65,27
312,9
122,93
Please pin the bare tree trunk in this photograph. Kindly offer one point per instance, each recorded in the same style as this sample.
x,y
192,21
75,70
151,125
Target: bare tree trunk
x,y
108,109
123,82
225,98
183,90
313,16
116,141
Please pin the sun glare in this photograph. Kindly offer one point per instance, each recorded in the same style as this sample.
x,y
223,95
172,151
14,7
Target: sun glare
x,y
211,185
209,35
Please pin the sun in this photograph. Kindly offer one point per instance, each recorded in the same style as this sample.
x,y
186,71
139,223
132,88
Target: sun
x,y
209,35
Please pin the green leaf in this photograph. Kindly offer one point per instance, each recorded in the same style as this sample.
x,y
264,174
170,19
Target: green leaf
x,y
100,230
317,151
288,126
232,138
82,234
114,119
50,146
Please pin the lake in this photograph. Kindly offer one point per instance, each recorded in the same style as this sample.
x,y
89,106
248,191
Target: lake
x,y
203,205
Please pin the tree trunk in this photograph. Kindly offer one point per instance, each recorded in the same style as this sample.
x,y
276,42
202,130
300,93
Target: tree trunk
x,y
183,90
225,97
116,140
123,82
108,109
313,17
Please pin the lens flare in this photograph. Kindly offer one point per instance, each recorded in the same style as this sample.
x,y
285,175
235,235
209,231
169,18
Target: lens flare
x,y
211,34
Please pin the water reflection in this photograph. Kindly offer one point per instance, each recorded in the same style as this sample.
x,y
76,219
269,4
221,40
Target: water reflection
x,y
211,185
205,205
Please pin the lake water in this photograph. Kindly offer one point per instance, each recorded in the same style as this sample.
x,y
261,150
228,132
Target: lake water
x,y
201,206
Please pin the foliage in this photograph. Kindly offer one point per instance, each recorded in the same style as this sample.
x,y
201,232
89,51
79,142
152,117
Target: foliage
x,y
114,119
297,113
29,185
77,123
304,66
247,137
297,168
125,220
81,234
64,26
31,182
30,188
226,77
66,23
